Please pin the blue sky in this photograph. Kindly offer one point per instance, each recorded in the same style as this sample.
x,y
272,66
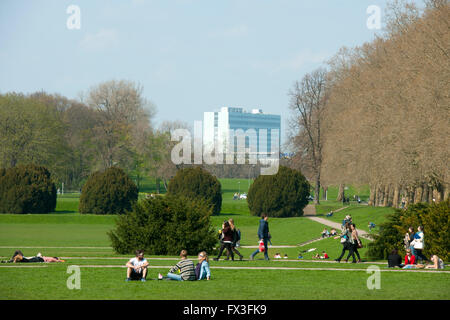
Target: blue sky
x,y
190,56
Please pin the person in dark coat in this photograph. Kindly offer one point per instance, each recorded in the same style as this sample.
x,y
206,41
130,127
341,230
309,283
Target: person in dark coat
x,y
263,234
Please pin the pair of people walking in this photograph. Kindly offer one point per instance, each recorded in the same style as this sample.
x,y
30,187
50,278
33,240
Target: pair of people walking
x,y
351,243
230,238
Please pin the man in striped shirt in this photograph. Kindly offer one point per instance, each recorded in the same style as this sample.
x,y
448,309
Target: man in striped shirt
x,y
186,267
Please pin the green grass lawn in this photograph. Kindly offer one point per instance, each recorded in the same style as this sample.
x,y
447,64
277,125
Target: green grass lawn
x,y
86,236
108,283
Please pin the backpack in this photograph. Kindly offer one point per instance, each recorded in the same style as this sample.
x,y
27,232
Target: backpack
x,y
238,235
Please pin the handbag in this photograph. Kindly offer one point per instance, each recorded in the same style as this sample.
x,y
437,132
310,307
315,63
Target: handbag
x,y
418,244
261,246
343,239
360,245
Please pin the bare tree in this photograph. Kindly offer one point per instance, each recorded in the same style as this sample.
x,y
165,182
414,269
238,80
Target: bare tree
x,y
308,102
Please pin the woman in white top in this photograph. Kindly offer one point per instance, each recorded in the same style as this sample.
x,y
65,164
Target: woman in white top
x,y
419,244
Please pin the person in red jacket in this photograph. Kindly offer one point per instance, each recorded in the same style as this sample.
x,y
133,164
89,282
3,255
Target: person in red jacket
x,y
410,260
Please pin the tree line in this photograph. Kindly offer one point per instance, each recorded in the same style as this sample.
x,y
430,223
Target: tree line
x,y
110,125
378,114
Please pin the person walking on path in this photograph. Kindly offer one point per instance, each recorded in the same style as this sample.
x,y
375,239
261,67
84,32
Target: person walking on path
x,y
356,243
263,234
236,238
346,238
227,241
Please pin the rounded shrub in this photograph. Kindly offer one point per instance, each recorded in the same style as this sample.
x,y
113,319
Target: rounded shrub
x,y
197,183
108,192
27,189
164,226
284,194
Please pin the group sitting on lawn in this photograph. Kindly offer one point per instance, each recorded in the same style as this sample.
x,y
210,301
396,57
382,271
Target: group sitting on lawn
x,y
184,270
394,260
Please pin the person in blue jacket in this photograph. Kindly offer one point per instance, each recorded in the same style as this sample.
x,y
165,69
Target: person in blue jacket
x,y
263,234
202,269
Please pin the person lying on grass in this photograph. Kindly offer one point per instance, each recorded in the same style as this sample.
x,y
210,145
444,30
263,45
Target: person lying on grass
x,y
437,263
137,267
184,266
18,257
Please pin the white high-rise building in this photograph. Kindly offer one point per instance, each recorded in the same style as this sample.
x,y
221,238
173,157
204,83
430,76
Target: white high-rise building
x,y
222,126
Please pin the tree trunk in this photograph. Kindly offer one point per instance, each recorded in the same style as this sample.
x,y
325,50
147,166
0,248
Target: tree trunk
x,y
425,193
372,196
446,192
430,195
409,196
317,190
324,195
436,195
341,192
386,196
418,194
395,199
158,185
378,196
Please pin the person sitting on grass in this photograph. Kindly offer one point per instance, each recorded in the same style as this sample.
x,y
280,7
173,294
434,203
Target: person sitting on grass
x,y
325,255
186,268
325,233
394,260
202,270
277,256
137,267
285,256
410,260
333,232
371,226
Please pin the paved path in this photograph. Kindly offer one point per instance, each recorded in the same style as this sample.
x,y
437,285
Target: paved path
x,y
252,268
310,213
337,226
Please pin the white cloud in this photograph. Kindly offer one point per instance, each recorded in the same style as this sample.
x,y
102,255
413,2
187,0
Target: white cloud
x,y
105,38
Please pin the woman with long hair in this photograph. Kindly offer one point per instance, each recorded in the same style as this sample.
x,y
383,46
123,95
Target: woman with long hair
x,y
227,241
355,243
202,270
346,238
236,238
